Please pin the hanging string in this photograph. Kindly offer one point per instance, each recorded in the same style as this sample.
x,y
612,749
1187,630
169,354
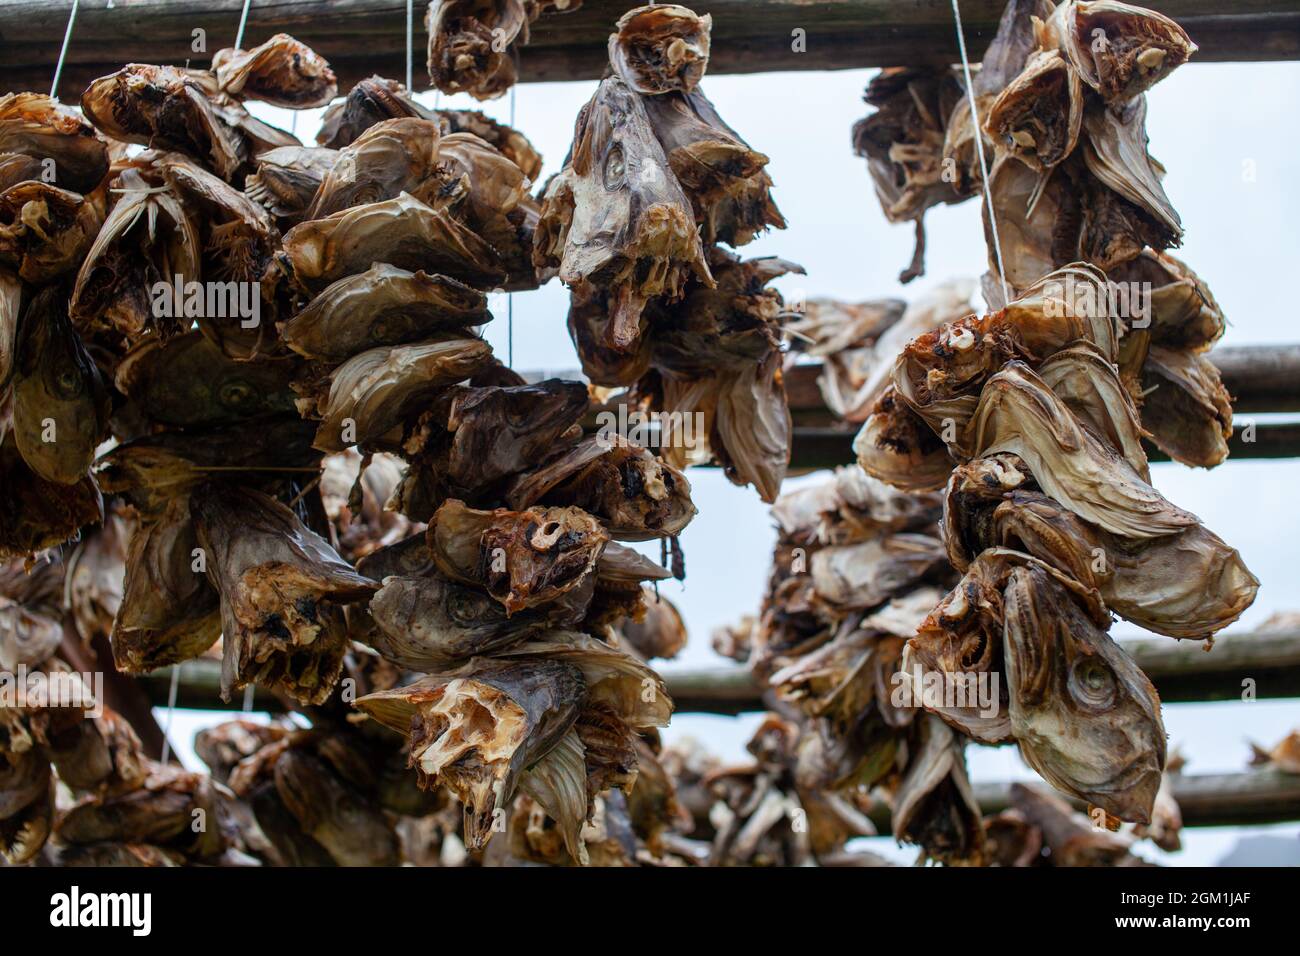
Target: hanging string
x,y
510,296
979,151
243,21
248,697
63,52
410,55
171,711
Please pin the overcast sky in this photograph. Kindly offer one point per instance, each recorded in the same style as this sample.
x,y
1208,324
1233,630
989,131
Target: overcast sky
x,y
1225,132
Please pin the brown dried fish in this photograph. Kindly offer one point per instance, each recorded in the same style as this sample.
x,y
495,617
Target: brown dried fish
x,y
44,513
1185,406
167,108
384,305
61,404
369,102
403,232
1136,47
53,135
479,729
523,558
1039,115
287,178
149,239
280,71
373,393
281,589
661,48
45,231
617,218
636,495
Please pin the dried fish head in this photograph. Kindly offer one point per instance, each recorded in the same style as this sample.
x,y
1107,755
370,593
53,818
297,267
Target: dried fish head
x,y
428,623
45,513
498,431
513,144
187,382
45,231
390,158
616,217
371,394
1085,716
896,446
1185,406
26,805
1018,414
471,45
281,589
61,404
1037,118
1183,312
280,71
165,108
149,238
402,232
44,129
934,805
634,493
523,558
287,178
169,612
661,633
334,813
1115,153
478,729
661,48
384,305
1120,50
369,102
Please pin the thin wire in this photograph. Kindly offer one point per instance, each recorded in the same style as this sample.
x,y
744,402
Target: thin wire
x,y
979,151
243,20
171,711
510,296
409,54
63,52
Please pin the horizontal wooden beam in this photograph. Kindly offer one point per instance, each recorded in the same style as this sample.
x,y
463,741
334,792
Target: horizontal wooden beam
x,y
361,37
1182,671
1204,799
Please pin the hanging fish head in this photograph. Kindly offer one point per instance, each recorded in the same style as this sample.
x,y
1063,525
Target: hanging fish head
x,y
1087,718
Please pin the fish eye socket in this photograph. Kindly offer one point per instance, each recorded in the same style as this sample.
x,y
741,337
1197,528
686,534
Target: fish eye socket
x,y
615,168
1093,683
464,607
236,395
67,383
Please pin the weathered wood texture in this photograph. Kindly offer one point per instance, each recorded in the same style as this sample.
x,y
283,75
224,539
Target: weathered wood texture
x,y
1181,671
361,37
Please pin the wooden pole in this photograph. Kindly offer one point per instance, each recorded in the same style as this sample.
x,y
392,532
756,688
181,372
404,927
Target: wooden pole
x,y
362,37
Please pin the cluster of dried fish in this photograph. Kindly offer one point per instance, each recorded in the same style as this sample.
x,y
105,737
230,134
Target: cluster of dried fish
x,y
857,567
654,181
72,771
264,333
1049,513
1061,103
